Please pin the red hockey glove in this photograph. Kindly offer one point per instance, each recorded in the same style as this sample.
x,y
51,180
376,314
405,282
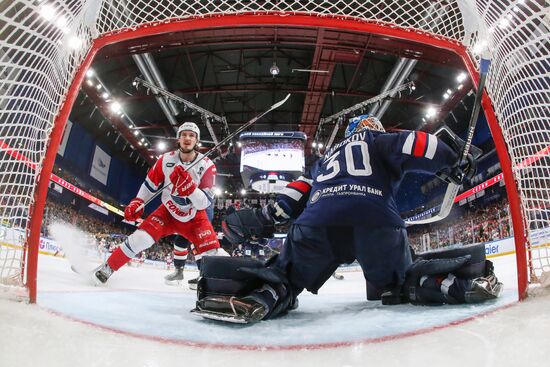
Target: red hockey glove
x,y
131,212
183,184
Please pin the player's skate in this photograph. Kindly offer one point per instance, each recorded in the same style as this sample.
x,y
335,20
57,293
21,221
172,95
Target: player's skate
x,y
231,309
174,278
102,274
483,289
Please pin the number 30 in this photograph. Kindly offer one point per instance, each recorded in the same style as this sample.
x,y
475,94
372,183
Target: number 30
x,y
333,166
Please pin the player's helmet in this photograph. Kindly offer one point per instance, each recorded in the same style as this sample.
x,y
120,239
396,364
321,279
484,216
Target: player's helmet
x,y
362,122
190,126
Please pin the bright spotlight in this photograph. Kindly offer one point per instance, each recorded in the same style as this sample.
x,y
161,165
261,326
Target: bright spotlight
x,y
115,106
161,146
461,77
75,43
243,192
47,12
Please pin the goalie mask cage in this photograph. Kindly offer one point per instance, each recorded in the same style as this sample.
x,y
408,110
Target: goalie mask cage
x,y
46,47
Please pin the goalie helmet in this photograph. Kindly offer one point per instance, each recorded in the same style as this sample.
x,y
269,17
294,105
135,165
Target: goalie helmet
x,y
362,122
190,126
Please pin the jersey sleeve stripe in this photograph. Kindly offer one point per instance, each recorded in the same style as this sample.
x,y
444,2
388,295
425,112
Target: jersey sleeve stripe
x,y
292,193
407,147
301,186
432,146
150,185
420,144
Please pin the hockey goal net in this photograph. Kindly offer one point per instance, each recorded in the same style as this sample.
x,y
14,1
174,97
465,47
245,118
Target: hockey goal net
x,y
46,46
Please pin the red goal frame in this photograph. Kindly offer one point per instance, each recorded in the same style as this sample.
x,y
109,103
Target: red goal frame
x,y
271,19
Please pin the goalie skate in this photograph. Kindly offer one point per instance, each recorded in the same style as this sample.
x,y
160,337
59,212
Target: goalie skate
x,y
230,309
193,283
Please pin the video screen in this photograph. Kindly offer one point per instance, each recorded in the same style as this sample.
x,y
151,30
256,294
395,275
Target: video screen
x,y
270,160
273,154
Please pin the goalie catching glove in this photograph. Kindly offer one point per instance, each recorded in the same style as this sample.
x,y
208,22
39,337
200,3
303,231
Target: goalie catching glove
x,y
245,224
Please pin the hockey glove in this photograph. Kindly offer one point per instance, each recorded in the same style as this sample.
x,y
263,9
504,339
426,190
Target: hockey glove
x,y
460,172
183,184
131,212
242,225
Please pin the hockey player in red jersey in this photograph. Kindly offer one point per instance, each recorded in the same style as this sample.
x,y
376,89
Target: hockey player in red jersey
x,y
345,210
183,204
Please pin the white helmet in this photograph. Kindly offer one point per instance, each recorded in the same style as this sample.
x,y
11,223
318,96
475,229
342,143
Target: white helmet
x,y
190,126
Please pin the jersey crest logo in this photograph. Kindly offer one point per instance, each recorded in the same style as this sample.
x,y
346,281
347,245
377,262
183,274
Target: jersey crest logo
x,y
201,169
316,195
170,164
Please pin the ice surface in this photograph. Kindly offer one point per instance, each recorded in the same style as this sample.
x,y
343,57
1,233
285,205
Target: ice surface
x,y
137,320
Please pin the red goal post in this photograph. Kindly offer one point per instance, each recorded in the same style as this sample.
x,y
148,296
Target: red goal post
x,y
46,47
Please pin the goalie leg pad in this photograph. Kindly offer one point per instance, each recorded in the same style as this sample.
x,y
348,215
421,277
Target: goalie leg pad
x,y
219,276
475,266
240,290
460,275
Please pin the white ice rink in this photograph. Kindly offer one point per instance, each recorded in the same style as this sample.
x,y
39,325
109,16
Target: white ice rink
x,y
137,320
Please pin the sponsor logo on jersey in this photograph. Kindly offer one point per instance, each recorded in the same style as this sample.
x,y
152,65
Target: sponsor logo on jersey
x,y
316,195
174,208
343,190
158,220
170,164
201,170
204,234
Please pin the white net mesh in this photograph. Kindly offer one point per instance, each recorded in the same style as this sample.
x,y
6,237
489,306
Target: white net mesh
x,y
42,44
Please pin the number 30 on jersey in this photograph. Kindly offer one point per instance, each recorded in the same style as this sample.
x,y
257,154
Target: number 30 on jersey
x,y
333,166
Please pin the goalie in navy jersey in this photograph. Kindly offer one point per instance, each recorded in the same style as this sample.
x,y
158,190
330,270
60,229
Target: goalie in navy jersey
x,y
343,210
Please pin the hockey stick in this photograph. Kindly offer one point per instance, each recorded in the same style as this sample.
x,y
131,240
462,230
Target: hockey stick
x,y
452,189
217,146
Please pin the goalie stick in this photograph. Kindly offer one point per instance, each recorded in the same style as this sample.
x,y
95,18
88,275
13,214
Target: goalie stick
x,y
217,146
452,189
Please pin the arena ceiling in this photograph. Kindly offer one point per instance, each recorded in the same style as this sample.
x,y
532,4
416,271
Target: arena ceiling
x,y
227,72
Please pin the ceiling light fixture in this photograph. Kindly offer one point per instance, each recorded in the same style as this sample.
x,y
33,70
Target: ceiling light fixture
x,y
274,69
310,71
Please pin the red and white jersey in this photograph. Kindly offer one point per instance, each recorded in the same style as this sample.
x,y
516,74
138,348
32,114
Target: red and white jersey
x,y
181,208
